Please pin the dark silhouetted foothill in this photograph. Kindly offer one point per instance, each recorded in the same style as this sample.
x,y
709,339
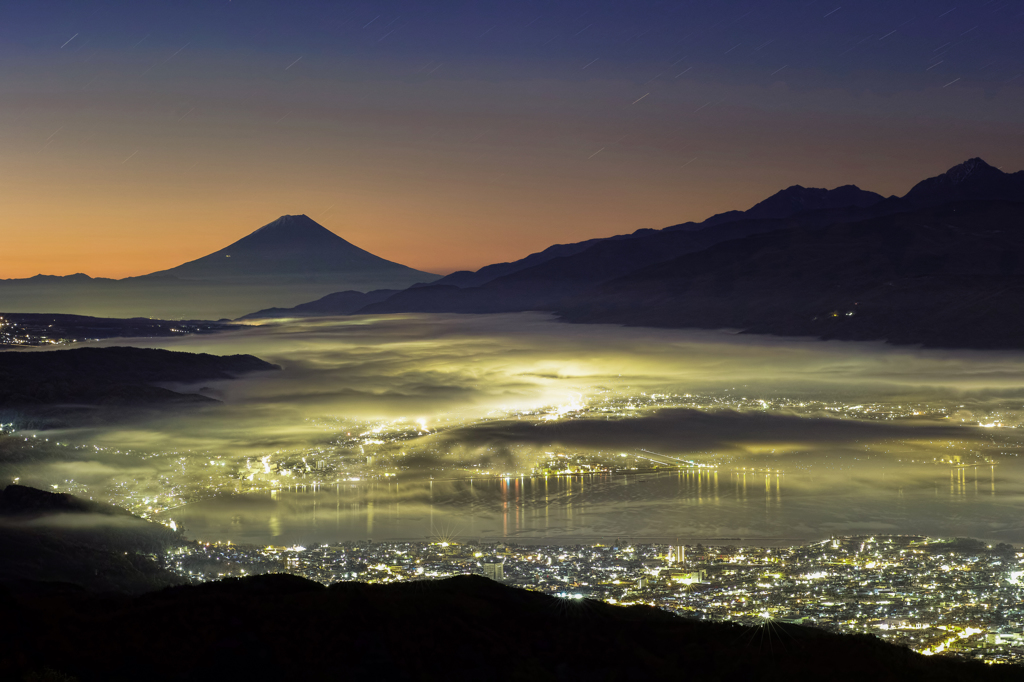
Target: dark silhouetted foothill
x,y
20,500
56,388
56,543
277,627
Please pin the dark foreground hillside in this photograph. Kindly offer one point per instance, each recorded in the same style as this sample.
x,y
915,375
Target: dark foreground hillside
x,y
45,389
287,628
56,541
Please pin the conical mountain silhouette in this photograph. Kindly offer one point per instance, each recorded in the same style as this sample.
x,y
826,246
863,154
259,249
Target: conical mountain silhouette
x,y
291,246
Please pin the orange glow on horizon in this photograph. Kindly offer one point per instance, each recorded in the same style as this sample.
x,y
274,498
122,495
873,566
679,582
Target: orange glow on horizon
x,y
128,188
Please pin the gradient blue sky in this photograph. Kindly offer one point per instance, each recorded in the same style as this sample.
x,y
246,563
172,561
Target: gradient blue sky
x,y
137,135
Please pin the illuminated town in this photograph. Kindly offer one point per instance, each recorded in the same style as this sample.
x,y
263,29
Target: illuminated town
x,y
353,450
33,330
954,597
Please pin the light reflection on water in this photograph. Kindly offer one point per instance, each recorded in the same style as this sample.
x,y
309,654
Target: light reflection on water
x,y
716,507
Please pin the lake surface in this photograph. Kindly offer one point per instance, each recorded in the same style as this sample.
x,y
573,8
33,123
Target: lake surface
x,y
691,506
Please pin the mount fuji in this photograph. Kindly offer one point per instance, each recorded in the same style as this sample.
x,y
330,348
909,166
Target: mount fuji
x,y
286,262
294,247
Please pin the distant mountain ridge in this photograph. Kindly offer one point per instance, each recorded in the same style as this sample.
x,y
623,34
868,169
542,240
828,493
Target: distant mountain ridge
x,y
783,204
691,274
972,180
948,276
339,303
540,279
797,199
544,285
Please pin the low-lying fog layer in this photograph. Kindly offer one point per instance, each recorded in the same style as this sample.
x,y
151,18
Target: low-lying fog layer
x,y
783,437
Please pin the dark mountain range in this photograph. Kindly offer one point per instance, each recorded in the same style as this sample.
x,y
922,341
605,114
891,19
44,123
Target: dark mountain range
x,y
275,627
541,281
54,388
950,276
465,279
972,180
937,266
293,246
546,285
796,199
784,204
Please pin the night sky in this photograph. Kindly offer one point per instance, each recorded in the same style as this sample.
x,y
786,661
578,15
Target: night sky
x,y
138,135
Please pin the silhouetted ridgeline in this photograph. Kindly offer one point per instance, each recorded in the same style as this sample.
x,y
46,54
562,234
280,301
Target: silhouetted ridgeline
x,y
785,204
951,276
279,627
941,266
338,303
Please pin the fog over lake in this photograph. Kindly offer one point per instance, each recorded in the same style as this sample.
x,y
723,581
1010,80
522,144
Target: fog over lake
x,y
416,425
